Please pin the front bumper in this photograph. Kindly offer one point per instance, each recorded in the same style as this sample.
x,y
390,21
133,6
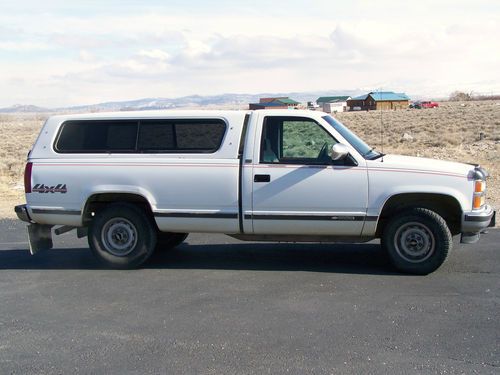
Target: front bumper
x,y
473,222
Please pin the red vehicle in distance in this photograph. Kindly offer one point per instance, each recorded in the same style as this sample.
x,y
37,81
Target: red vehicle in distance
x,y
429,104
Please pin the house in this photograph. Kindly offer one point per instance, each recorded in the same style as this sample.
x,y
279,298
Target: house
x,y
379,100
331,104
274,103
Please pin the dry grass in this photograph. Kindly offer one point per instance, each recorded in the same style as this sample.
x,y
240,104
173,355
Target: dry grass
x,y
449,132
18,135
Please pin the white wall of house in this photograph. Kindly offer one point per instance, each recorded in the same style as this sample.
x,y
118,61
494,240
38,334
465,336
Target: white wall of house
x,y
335,107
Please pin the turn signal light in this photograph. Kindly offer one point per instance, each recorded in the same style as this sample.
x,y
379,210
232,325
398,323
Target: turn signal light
x,y
478,201
479,186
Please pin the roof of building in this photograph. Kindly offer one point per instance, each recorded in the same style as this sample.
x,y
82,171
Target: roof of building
x,y
287,101
281,99
402,94
380,96
267,100
284,100
269,104
332,99
361,97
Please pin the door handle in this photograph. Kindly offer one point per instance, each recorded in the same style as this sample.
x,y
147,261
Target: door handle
x,y
262,178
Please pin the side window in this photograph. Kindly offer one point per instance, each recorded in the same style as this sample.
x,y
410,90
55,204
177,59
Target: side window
x,y
121,136
204,135
81,136
156,136
181,136
141,136
295,140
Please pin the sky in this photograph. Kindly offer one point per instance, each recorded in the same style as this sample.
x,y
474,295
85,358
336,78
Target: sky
x,y
62,53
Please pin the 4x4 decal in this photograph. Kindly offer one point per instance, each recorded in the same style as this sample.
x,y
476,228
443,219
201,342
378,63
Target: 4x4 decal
x,y
41,188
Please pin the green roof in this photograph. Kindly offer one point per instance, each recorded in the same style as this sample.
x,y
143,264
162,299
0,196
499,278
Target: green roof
x,y
287,101
332,99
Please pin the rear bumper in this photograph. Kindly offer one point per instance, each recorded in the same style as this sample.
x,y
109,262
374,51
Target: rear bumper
x,y
22,213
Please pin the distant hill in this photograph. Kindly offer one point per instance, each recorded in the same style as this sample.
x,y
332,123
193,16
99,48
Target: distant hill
x,y
191,101
20,108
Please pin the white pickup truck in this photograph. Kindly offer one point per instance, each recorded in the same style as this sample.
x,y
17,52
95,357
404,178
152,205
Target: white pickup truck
x,y
137,181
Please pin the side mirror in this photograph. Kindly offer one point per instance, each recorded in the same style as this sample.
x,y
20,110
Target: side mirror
x,y
339,151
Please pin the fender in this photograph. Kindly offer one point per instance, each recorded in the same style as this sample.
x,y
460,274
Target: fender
x,y
376,205
118,189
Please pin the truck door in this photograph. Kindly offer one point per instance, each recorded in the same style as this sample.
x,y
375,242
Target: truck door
x,y
298,189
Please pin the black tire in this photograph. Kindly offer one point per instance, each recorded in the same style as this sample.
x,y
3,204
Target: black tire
x,y
122,236
167,240
417,241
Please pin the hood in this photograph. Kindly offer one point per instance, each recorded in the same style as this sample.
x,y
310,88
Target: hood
x,y
424,164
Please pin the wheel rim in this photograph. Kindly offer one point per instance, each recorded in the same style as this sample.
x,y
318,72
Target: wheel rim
x,y
414,242
119,236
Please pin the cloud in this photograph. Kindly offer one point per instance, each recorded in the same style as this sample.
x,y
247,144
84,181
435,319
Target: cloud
x,y
86,56
16,46
155,54
152,50
73,40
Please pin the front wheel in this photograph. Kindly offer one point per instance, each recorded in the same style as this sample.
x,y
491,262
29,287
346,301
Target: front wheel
x,y
122,236
417,240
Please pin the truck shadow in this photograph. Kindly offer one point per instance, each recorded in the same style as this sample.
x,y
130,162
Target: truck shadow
x,y
336,258
340,258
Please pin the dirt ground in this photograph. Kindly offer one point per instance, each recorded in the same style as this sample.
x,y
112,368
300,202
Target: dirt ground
x,y
466,132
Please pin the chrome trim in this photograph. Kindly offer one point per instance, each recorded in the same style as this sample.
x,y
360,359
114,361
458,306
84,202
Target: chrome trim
x,y
479,173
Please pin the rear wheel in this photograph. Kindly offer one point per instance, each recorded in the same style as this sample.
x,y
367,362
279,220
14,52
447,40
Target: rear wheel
x,y
417,241
122,236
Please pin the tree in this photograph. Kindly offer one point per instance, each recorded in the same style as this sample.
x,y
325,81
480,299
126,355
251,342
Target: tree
x,y
460,96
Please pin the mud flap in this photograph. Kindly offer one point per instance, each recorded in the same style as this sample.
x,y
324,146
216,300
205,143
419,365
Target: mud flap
x,y
39,237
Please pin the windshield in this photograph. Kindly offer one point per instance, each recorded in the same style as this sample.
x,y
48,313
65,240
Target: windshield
x,y
366,151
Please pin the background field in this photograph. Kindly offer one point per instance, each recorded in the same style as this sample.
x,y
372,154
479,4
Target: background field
x,y
450,132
